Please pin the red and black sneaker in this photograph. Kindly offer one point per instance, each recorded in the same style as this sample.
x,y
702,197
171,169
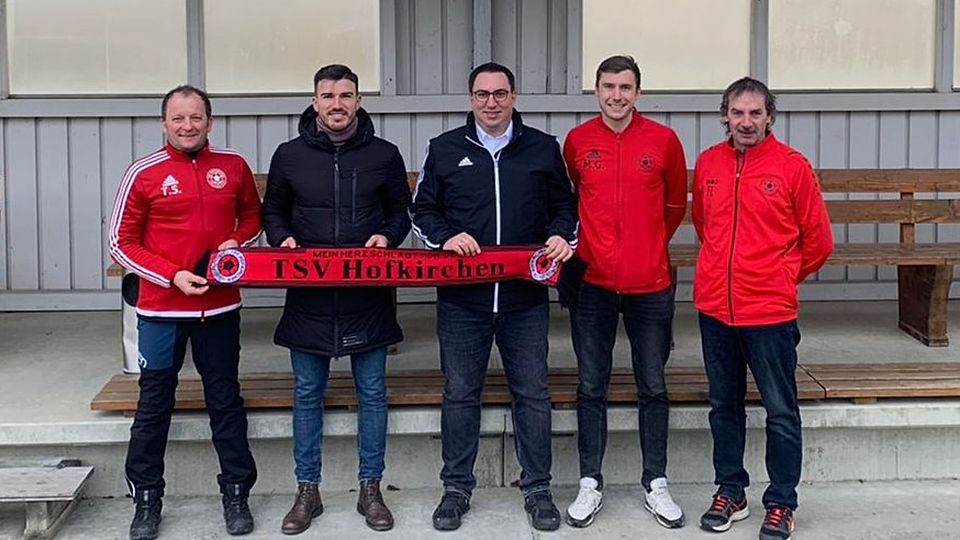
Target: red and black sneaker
x,y
723,512
778,524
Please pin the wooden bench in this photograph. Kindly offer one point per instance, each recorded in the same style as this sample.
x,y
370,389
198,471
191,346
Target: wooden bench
x,y
924,270
274,390
422,387
49,491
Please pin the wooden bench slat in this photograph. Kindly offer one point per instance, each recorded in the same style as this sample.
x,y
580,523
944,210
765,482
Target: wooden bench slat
x,y
889,180
894,211
685,255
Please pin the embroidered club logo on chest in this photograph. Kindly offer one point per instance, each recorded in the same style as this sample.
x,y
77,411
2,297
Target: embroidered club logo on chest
x,y
769,186
217,178
646,163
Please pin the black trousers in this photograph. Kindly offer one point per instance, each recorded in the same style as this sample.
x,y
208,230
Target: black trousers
x,y
215,344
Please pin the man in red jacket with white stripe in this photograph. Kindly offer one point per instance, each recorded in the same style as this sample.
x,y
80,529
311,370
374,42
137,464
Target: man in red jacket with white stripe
x,y
631,177
764,228
174,206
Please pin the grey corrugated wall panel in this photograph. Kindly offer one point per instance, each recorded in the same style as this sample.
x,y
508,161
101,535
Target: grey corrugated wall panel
x,y
22,234
56,169
273,131
832,153
529,36
458,45
505,47
428,49
53,197
434,46
86,251
533,58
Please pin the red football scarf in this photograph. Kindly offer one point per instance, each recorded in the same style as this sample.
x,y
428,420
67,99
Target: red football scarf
x,y
326,267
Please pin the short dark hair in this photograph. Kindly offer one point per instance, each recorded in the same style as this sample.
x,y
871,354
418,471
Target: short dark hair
x,y
748,85
186,90
616,64
335,72
492,67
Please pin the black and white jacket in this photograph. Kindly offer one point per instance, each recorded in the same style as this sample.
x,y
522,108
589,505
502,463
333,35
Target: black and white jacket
x,y
519,196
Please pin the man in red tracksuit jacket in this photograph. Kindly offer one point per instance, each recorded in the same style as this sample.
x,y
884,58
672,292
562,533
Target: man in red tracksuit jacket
x,y
173,207
764,228
631,178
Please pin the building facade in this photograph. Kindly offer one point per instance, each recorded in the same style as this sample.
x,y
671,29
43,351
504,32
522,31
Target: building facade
x,y
862,84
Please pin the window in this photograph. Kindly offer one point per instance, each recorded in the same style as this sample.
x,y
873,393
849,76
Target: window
x,y
852,44
254,46
96,46
679,45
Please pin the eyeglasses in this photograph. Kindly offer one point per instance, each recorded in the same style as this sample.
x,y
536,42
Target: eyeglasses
x,y
498,95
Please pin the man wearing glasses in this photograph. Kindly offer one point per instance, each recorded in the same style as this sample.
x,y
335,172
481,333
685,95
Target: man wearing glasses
x,y
494,181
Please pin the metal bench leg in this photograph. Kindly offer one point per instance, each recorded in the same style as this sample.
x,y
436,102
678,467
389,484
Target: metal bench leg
x,y
923,294
44,519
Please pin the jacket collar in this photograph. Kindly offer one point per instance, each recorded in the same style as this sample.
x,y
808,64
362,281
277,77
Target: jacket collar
x,y
767,145
317,139
517,120
178,155
636,122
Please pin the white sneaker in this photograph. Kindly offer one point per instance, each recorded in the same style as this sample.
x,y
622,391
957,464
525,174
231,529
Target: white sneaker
x,y
659,503
589,502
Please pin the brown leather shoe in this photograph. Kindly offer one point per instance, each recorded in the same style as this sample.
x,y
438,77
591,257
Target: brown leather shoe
x,y
370,505
306,506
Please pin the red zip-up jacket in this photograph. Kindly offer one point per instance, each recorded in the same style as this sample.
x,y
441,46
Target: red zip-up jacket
x,y
764,228
632,188
170,210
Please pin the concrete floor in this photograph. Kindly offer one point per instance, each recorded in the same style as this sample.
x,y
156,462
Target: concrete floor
x,y
833,510
52,364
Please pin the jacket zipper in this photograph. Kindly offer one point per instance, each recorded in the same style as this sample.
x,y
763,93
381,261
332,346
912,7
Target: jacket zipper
x,y
741,158
336,243
496,192
203,226
353,197
617,222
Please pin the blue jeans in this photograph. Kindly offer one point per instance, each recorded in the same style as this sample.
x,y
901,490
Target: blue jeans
x,y
466,338
648,319
771,354
311,372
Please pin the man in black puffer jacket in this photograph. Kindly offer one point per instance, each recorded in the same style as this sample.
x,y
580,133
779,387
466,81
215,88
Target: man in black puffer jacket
x,y
337,185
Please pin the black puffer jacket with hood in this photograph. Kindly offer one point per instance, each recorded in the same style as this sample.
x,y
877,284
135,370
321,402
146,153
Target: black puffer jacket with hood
x,y
325,196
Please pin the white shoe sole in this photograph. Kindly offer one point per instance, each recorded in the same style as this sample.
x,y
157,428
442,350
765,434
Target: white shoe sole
x,y
585,522
734,517
669,524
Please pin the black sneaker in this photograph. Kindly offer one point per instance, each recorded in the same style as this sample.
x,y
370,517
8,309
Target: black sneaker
x,y
544,515
236,511
723,512
146,517
452,507
777,524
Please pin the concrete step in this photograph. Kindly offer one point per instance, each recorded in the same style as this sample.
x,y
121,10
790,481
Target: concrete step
x,y
847,510
890,440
